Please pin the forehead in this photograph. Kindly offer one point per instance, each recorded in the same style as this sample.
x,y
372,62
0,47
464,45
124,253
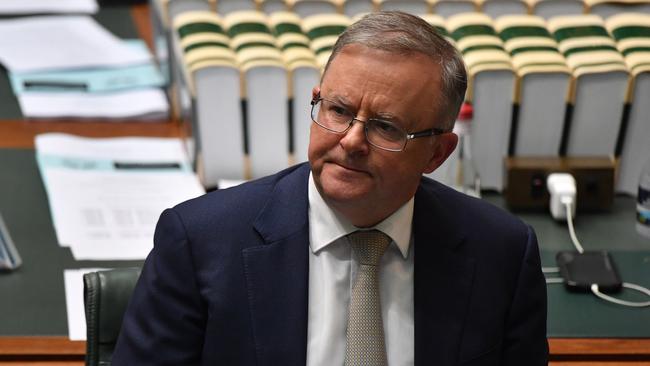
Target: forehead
x,y
376,81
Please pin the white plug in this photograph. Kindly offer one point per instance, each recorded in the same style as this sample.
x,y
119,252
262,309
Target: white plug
x,y
562,188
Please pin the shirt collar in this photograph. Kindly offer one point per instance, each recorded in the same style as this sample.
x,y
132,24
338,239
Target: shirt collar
x,y
326,225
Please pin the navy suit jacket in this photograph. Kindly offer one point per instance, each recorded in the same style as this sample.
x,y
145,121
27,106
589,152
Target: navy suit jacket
x,y
227,281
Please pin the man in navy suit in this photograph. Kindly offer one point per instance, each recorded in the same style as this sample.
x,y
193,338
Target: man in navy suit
x,y
262,274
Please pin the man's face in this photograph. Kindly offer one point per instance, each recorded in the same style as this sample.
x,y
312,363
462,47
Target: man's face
x,y
363,182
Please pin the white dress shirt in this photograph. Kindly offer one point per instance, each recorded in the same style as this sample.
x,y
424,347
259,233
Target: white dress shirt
x,y
332,270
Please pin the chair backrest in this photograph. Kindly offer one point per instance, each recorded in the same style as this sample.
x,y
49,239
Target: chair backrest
x,y
323,30
491,81
407,6
496,8
106,295
601,80
632,34
543,80
447,8
551,8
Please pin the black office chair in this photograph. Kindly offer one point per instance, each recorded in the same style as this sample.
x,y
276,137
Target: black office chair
x,y
106,295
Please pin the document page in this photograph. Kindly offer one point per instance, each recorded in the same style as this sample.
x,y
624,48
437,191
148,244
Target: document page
x,y
24,7
146,103
103,79
62,42
106,195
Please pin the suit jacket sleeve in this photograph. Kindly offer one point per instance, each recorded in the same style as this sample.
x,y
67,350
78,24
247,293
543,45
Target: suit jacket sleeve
x,y
165,320
525,337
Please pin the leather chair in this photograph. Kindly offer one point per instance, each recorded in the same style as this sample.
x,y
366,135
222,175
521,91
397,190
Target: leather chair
x,y
106,295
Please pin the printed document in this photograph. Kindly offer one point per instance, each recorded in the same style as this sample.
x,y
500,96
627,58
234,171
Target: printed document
x,y
105,195
24,7
62,42
93,80
146,103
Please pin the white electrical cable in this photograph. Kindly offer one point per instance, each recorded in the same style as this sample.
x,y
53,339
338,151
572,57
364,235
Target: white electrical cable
x,y
569,219
594,289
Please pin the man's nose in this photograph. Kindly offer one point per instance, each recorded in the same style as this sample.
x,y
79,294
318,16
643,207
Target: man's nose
x,y
354,141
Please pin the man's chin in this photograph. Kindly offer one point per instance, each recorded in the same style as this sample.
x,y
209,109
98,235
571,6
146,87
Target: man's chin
x,y
343,192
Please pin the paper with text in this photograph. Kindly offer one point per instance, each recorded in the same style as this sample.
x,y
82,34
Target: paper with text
x,y
62,42
105,195
24,7
144,104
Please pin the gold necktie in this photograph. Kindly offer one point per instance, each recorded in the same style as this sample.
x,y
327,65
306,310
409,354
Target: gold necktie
x,y
365,334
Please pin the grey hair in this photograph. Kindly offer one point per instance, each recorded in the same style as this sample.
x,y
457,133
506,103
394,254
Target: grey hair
x,y
401,33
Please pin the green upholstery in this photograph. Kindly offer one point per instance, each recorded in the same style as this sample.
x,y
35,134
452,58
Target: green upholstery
x,y
480,45
531,46
632,34
477,39
323,31
203,39
252,40
286,27
586,44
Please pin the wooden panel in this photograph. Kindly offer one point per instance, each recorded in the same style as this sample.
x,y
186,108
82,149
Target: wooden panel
x,y
640,348
20,134
600,363
40,346
140,15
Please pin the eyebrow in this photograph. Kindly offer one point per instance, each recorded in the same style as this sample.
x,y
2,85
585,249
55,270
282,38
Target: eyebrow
x,y
384,116
340,100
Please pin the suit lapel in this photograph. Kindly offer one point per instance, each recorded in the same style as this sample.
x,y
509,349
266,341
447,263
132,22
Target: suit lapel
x,y
277,273
443,282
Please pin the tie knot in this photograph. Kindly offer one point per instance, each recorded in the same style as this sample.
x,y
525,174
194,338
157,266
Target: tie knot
x,y
369,246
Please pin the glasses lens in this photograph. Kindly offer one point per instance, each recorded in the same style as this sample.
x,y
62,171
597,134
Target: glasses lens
x,y
331,116
385,134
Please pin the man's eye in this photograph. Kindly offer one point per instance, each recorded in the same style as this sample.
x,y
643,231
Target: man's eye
x,y
337,113
386,127
340,111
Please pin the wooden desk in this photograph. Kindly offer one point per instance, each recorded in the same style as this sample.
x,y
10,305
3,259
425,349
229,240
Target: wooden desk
x,y
58,350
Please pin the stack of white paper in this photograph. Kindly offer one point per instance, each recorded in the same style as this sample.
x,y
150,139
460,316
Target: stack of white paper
x,y
106,195
145,103
20,7
70,66
62,42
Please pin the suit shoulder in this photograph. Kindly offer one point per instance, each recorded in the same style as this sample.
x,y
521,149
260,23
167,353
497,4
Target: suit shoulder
x,y
475,213
238,203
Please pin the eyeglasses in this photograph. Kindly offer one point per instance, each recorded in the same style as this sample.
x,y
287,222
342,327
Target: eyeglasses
x,y
382,134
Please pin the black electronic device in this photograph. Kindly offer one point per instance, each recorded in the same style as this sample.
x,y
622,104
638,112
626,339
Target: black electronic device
x,y
582,270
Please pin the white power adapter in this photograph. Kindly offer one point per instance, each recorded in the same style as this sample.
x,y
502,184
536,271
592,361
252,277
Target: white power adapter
x,y
562,188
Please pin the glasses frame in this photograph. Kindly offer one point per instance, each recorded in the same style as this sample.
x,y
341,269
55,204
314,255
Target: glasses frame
x,y
409,135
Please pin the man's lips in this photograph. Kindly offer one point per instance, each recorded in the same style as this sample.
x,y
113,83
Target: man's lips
x,y
349,168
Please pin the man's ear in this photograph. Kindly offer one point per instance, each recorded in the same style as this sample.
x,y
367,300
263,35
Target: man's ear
x,y
315,92
441,148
